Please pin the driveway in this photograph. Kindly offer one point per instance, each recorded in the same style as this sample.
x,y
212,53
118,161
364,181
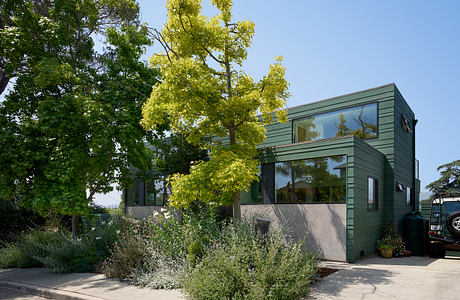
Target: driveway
x,y
396,278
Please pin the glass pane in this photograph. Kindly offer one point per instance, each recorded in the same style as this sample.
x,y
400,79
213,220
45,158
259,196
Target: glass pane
x,y
408,196
155,192
132,194
360,121
451,207
370,193
254,193
311,180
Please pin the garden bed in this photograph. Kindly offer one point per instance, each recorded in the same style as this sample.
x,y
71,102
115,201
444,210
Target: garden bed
x,y
323,272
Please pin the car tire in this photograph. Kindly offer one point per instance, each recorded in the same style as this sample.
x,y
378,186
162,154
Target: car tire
x,y
437,251
453,223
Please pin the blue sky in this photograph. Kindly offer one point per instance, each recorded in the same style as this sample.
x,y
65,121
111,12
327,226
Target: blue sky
x,y
337,47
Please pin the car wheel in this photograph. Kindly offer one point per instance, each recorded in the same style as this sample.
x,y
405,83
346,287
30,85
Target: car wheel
x,y
437,251
453,223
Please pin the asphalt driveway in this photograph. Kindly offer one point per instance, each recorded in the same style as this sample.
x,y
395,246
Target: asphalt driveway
x,y
396,278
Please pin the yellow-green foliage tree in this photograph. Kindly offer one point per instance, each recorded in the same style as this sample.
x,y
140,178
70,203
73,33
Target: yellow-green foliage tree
x,y
207,96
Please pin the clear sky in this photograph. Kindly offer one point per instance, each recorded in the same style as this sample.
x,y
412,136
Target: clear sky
x,y
336,47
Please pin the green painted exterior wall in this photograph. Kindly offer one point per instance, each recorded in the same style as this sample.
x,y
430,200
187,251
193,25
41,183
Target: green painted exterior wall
x,y
364,225
390,158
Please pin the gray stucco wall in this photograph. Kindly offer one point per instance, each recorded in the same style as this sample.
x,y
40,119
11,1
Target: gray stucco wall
x,y
322,224
142,212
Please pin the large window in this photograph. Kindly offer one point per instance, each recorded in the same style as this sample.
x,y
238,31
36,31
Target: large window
x,y
311,180
372,194
360,121
152,192
300,181
156,193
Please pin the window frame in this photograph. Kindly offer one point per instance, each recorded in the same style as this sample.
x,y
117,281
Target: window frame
x,y
375,206
335,110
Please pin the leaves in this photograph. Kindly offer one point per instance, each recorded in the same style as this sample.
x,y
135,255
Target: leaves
x,y
449,182
71,122
205,93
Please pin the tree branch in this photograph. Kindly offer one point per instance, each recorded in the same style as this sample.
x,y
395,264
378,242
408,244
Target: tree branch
x,y
4,79
202,46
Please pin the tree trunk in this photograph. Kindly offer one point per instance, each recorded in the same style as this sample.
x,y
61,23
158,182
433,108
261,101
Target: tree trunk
x,y
292,199
4,79
75,227
236,207
236,197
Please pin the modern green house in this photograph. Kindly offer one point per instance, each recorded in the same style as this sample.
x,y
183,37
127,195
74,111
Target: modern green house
x,y
335,172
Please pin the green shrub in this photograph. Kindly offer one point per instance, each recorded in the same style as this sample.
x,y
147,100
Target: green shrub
x,y
159,271
126,256
154,252
242,267
12,256
16,219
55,249
24,252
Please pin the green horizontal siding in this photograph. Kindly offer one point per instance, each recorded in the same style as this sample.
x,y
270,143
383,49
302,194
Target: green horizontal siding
x,y
389,157
367,224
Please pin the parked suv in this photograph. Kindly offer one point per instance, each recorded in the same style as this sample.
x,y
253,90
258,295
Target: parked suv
x,y
444,229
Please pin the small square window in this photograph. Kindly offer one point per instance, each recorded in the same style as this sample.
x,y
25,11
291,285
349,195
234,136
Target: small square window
x,y
372,194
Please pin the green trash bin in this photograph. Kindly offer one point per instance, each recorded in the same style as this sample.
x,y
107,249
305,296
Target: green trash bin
x,y
414,232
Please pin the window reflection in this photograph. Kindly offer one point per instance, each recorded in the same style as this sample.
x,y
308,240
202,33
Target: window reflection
x,y
311,180
156,192
254,193
360,121
132,194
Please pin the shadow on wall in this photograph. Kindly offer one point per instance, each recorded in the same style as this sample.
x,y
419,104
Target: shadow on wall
x,y
295,222
337,223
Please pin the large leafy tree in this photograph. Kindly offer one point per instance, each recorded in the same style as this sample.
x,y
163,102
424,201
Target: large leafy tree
x,y
449,182
69,127
212,101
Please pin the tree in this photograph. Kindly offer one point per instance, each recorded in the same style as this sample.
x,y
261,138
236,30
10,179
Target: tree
x,y
70,126
449,182
212,101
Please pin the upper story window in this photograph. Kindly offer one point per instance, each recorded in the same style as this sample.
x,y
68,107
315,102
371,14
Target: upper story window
x,y
359,120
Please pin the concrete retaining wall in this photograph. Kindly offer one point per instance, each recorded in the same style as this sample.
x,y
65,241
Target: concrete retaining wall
x,y
322,224
142,212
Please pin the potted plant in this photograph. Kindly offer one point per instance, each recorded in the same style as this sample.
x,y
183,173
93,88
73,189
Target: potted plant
x,y
386,251
385,247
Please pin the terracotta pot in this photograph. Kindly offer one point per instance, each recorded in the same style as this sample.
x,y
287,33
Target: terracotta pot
x,y
386,253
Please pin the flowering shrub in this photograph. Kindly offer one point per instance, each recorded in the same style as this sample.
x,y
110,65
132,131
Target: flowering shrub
x,y
241,266
208,257
391,239
157,251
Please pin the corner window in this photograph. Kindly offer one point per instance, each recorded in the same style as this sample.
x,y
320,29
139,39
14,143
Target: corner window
x,y
359,120
372,194
311,180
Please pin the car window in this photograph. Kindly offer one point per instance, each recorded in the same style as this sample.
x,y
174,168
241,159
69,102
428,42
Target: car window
x,y
451,207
